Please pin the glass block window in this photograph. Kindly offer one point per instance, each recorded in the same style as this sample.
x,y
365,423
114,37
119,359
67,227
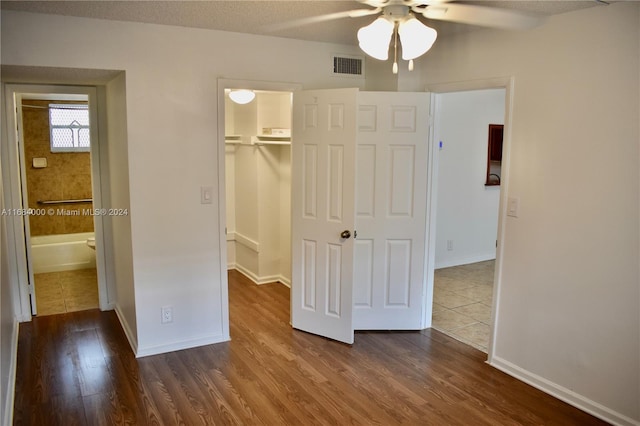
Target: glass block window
x,y
69,126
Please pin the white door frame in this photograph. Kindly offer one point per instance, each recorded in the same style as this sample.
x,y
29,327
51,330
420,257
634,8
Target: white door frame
x,y
224,83
506,83
14,177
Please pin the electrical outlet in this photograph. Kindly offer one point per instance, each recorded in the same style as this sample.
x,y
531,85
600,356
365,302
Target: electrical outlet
x,y
167,314
449,245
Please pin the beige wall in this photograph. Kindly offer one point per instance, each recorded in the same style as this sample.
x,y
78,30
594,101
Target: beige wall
x,y
568,317
169,141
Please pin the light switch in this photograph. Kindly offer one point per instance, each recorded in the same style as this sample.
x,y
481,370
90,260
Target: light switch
x,y
206,194
513,206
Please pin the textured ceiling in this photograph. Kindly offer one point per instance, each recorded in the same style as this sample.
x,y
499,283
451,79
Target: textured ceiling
x,y
256,16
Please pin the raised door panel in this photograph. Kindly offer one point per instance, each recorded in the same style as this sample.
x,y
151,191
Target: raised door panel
x,y
391,210
323,158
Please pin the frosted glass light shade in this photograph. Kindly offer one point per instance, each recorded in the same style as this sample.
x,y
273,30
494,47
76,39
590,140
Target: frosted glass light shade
x,y
416,38
242,96
374,39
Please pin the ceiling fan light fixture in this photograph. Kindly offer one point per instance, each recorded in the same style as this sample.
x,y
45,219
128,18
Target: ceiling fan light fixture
x,y
242,96
374,38
416,38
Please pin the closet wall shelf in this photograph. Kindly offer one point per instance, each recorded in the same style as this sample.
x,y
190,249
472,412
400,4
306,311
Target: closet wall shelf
x,y
257,140
237,140
270,140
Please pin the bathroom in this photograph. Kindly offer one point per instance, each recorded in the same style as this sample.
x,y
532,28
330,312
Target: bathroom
x,y
58,188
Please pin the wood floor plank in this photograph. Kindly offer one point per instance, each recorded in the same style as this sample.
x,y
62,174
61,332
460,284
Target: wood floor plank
x,y
133,391
80,366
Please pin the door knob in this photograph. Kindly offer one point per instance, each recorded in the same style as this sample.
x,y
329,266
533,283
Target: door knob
x,y
345,234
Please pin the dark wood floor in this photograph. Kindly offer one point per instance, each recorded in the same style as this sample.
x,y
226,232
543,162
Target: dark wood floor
x,y
78,369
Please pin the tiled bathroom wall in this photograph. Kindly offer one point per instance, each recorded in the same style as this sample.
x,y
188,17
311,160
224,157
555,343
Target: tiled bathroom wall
x,y
67,176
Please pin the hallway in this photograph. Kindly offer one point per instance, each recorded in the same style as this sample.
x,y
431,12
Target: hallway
x,y
462,300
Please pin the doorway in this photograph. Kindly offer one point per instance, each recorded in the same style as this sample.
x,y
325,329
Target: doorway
x,y
325,189
227,214
258,184
467,211
55,180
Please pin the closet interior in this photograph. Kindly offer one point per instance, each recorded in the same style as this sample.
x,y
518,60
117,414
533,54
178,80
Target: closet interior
x,y
258,186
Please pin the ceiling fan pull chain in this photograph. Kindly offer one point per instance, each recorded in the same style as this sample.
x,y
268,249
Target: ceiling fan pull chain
x,y
395,49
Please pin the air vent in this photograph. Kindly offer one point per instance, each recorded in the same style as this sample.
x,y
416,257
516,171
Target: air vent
x,y
344,65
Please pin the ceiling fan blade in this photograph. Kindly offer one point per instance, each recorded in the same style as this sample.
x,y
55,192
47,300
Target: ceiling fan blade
x,y
483,16
356,13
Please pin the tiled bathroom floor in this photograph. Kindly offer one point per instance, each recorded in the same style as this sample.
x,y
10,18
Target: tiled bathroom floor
x,y
66,291
462,301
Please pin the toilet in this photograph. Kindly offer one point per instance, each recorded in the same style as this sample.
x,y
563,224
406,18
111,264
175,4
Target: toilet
x,y
91,242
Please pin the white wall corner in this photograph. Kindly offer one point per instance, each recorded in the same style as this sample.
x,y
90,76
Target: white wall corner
x,y
127,329
182,344
562,393
259,280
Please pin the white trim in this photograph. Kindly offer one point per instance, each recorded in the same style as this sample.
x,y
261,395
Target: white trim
x,y
284,281
432,207
222,201
430,227
562,393
13,199
14,174
127,330
262,280
506,83
183,344
466,260
7,407
462,86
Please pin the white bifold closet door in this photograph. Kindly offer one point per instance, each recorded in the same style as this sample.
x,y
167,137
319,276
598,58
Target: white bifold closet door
x,y
359,188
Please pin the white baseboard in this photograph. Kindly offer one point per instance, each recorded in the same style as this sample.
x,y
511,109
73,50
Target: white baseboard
x,y
108,307
75,266
180,345
563,394
447,263
262,279
7,404
285,281
133,342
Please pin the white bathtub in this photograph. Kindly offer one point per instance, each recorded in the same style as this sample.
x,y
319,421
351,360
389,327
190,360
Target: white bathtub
x,y
65,252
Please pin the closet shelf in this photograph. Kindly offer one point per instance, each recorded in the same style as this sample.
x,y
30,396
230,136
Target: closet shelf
x,y
257,140
270,140
232,139
273,138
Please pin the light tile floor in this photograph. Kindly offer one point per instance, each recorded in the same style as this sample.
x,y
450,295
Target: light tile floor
x,y
66,291
462,301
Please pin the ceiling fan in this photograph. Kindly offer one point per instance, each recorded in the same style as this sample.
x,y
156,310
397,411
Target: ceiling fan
x,y
398,19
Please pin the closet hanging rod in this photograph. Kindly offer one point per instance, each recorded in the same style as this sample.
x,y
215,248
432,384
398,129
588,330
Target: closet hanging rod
x,y
270,143
81,200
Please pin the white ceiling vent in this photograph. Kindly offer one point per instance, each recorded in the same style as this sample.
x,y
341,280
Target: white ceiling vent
x,y
348,65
